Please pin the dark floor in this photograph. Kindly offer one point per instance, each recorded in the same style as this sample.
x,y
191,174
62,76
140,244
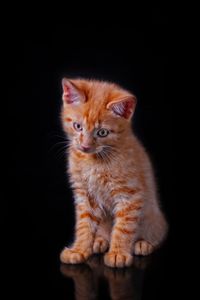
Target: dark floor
x,y
38,273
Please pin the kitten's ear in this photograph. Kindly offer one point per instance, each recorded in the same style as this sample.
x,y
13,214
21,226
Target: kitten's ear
x,y
71,94
123,107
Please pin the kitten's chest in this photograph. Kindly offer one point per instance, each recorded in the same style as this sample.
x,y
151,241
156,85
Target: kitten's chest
x,y
99,180
100,183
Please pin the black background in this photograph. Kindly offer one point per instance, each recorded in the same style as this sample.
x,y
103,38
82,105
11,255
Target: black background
x,y
38,210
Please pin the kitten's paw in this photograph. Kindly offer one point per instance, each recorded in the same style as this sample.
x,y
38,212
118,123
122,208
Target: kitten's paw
x,y
74,256
100,245
118,259
143,248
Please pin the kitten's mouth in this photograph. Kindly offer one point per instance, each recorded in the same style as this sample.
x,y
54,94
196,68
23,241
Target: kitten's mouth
x,y
87,149
101,151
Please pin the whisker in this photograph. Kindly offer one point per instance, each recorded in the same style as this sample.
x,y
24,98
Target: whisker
x,y
58,144
57,135
62,152
107,154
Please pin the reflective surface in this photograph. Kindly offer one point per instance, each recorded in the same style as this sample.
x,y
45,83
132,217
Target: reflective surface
x,y
34,272
94,279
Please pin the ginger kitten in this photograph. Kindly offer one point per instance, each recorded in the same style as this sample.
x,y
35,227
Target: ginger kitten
x,y
111,175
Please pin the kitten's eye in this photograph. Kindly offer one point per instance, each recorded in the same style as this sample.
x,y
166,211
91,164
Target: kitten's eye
x,y
77,126
102,132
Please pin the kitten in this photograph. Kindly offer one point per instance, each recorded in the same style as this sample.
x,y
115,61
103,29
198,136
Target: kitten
x,y
111,175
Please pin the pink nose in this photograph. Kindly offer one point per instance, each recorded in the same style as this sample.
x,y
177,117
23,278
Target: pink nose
x,y
85,148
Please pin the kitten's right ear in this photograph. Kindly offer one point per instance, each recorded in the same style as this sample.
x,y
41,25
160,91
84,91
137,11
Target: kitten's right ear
x,y
71,94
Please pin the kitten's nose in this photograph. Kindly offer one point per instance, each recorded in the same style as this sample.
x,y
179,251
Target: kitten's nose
x,y
85,148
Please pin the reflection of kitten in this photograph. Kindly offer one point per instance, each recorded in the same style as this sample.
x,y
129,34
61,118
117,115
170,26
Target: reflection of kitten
x,y
111,175
85,281
122,283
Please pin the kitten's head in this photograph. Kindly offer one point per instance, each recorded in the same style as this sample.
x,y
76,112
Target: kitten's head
x,y
96,115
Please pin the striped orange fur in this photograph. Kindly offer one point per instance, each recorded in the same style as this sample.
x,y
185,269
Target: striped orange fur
x,y
123,190
111,175
68,119
124,230
90,216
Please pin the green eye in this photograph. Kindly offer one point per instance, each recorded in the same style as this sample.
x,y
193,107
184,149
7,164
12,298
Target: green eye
x,y
77,126
102,132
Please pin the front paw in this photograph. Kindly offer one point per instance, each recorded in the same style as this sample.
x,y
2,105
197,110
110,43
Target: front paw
x,y
74,256
117,259
100,245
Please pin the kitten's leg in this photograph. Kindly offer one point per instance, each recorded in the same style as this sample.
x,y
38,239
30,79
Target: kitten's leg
x,y
86,225
102,236
153,231
124,233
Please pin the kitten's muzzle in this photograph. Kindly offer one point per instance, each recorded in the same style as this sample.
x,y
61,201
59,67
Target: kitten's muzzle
x,y
86,149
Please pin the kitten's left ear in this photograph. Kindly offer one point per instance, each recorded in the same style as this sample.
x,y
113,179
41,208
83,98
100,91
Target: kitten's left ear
x,y
71,93
123,107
